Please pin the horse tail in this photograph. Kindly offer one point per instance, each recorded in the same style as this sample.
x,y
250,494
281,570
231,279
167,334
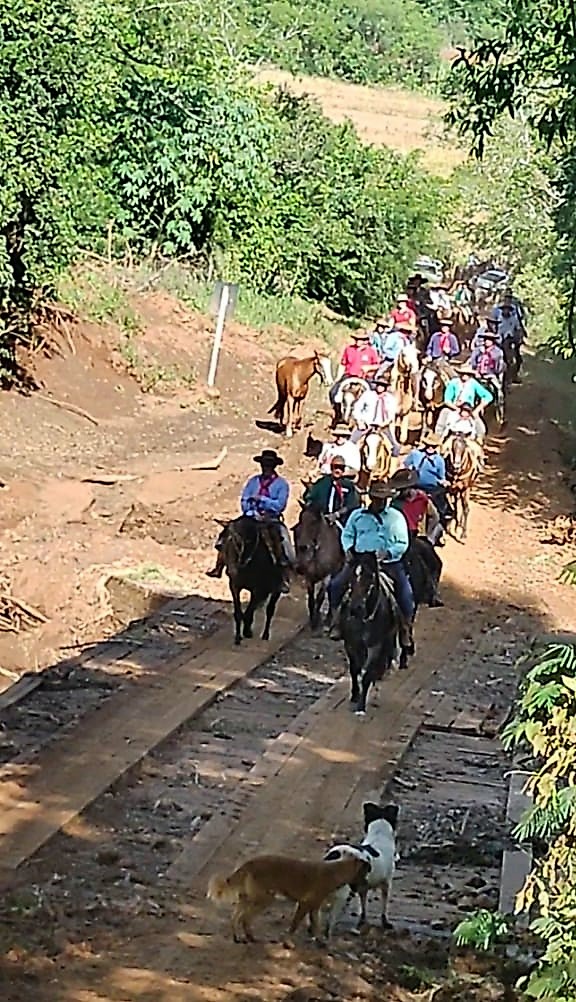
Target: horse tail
x,y
276,408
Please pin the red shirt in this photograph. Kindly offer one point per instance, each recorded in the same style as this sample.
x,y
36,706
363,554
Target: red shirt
x,y
404,315
415,510
357,358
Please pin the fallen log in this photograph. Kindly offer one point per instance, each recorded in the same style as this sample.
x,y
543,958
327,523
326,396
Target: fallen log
x,y
210,464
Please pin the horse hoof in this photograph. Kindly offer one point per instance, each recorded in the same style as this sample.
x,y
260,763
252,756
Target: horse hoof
x,y
265,635
237,641
360,713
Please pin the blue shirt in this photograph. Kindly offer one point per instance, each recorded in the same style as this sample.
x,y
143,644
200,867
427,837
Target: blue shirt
x,y
391,345
430,467
434,343
274,504
471,392
386,532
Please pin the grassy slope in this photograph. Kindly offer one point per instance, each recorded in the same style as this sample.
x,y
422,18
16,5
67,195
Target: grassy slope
x,y
403,120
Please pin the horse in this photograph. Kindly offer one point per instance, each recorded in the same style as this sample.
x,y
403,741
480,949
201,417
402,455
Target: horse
x,y
251,567
512,359
424,568
434,377
402,384
371,626
464,464
497,408
376,457
293,376
351,389
319,556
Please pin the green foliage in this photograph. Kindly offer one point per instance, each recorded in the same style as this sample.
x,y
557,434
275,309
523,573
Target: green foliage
x,y
135,128
545,723
365,41
482,930
530,74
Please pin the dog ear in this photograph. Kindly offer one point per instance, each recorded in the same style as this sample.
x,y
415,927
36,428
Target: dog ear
x,y
331,855
374,812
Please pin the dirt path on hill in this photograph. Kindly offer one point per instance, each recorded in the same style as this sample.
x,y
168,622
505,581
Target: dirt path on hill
x,y
113,909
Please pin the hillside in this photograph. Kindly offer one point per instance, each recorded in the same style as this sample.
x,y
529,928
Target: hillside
x,y
404,121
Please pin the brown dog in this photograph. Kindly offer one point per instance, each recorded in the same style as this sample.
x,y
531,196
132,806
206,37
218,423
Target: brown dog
x,y
255,884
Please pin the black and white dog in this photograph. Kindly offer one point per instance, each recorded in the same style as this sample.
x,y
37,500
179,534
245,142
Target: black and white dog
x,y
378,848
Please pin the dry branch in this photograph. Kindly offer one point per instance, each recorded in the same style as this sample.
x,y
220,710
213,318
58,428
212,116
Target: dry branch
x,y
65,406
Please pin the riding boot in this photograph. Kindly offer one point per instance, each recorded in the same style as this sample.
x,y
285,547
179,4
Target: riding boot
x,y
218,569
285,586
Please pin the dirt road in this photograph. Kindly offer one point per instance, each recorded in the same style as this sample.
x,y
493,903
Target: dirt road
x,y
112,908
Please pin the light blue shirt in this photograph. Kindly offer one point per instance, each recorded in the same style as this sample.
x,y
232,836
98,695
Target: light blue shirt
x,y
253,505
387,532
430,467
391,345
469,392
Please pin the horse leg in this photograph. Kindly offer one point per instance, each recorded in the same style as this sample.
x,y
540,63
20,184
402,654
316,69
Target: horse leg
x,y
248,617
270,610
404,422
311,598
289,416
369,675
238,617
465,513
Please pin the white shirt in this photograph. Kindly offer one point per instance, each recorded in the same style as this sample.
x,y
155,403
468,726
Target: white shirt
x,y
349,451
458,425
374,409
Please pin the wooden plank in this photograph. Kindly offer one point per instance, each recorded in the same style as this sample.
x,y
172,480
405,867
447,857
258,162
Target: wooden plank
x,y
444,715
516,865
471,719
20,689
74,771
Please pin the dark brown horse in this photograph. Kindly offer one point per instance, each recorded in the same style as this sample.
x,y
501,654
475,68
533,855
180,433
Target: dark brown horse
x,y
250,566
319,556
293,376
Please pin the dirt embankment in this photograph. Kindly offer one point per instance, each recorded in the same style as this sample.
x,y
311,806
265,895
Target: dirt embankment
x,y
105,481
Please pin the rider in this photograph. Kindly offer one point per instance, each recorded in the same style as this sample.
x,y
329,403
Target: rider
x,y
376,408
334,494
487,326
443,345
341,446
488,363
423,522
264,498
464,389
430,468
462,422
403,313
509,317
396,340
358,359
382,530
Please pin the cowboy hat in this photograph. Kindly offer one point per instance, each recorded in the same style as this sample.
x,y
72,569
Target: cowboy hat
x,y
402,298
269,456
467,370
360,336
381,322
447,322
403,479
381,489
431,438
341,429
383,380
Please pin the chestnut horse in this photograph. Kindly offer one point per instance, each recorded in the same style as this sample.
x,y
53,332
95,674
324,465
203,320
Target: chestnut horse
x,y
292,378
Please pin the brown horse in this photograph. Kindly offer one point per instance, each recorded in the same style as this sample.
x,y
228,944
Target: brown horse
x,y
319,555
376,456
434,378
293,376
402,384
463,467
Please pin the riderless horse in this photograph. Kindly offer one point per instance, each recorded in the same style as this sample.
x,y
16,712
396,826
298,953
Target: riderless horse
x,y
251,566
463,466
293,376
372,626
434,377
402,383
319,556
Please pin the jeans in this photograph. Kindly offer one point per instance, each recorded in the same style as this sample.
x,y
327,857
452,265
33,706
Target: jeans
x,y
402,588
396,572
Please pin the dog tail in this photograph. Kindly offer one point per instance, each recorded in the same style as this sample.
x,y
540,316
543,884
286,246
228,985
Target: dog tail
x,y
221,889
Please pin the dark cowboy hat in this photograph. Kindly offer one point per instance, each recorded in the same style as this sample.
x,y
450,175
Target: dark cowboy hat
x,y
341,429
382,489
269,456
431,438
403,479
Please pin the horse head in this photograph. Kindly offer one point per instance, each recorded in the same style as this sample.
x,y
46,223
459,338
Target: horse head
x,y
458,451
323,368
307,533
364,584
429,380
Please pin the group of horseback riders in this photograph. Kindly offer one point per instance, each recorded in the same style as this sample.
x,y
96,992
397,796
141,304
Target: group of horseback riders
x,y
406,513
